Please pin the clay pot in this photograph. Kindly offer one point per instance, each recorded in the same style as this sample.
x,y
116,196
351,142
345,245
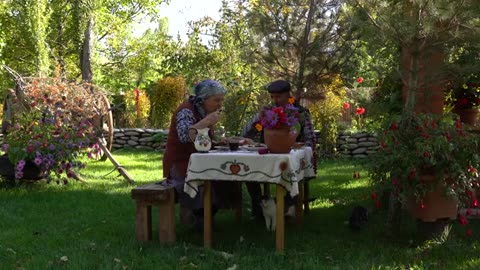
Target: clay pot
x,y
279,140
468,116
436,205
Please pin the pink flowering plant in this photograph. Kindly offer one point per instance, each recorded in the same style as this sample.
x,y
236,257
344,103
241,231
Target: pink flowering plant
x,y
52,127
280,117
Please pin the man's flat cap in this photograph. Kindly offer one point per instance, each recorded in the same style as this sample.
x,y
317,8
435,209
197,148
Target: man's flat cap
x,y
279,86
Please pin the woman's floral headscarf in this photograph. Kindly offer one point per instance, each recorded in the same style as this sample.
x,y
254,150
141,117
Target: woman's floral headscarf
x,y
204,90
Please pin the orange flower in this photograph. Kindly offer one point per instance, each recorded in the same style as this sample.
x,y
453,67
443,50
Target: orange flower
x,y
258,126
291,100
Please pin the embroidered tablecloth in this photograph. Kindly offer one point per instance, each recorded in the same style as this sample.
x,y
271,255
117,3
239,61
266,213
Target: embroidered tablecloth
x,y
284,169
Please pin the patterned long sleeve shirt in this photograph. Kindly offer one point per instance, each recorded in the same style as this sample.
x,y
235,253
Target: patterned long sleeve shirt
x,y
308,131
185,120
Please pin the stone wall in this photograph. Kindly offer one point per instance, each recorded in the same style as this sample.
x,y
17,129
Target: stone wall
x,y
138,138
356,145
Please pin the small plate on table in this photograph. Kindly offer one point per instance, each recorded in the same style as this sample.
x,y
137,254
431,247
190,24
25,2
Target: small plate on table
x,y
221,148
298,145
252,148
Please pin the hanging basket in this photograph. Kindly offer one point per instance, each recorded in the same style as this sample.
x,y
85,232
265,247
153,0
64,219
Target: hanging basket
x,y
279,140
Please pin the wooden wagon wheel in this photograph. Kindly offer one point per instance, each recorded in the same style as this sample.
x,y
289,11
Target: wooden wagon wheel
x,y
105,123
7,114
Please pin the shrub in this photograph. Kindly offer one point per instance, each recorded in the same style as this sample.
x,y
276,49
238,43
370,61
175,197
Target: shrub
x,y
325,114
137,107
165,97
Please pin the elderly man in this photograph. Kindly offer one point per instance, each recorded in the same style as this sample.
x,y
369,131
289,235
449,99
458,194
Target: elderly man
x,y
280,95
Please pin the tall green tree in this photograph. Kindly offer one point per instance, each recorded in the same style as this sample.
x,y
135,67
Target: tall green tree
x,y
304,41
424,30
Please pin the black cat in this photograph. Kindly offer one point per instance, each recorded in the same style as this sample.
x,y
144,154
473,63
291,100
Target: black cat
x,y
358,218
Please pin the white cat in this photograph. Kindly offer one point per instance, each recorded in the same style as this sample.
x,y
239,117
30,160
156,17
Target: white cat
x,y
269,210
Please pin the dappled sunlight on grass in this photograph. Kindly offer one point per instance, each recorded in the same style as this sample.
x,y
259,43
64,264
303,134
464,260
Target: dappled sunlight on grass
x,y
41,221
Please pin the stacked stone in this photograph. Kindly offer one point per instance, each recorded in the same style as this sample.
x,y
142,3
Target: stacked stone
x,y
138,138
357,145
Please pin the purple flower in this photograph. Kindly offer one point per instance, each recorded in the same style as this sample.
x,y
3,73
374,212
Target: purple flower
x,y
270,120
51,147
291,107
18,175
5,147
291,121
38,161
21,165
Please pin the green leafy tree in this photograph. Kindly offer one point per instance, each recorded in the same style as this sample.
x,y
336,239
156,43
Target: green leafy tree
x,y
304,41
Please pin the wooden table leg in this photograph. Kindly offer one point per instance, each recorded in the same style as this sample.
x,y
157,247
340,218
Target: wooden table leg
x,y
306,196
207,214
280,227
238,204
143,222
266,189
299,204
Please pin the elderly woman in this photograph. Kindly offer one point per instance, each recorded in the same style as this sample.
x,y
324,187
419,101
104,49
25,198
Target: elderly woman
x,y
200,111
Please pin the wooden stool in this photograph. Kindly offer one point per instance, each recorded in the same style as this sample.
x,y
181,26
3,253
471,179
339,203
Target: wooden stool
x,y
155,195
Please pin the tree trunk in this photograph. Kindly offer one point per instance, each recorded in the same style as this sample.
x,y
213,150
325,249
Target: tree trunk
x,y
36,13
423,79
86,53
303,51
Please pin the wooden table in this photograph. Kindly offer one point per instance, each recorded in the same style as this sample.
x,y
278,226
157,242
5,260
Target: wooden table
x,y
286,171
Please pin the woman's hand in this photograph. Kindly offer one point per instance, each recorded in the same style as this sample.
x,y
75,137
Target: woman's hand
x,y
212,118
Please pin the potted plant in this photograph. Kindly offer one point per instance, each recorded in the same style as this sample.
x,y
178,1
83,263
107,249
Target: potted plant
x,y
429,162
466,100
281,127
50,129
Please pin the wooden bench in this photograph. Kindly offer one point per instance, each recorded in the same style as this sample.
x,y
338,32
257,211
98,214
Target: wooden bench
x,y
155,195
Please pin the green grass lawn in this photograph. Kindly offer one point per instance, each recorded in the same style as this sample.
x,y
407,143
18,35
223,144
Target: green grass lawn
x,y
92,226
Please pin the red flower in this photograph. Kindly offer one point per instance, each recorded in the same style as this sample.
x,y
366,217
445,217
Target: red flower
x,y
475,202
30,148
462,220
383,144
346,106
458,124
462,101
359,80
395,181
469,212
449,137
412,173
433,124
426,154
374,196
360,111
472,169
394,126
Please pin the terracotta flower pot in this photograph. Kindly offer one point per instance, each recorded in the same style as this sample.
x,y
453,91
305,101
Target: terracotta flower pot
x,y
279,140
435,205
468,116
